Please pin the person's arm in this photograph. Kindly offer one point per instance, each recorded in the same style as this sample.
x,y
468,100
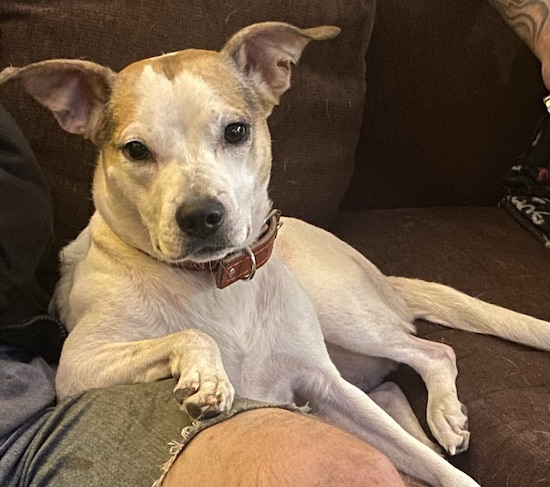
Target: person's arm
x,y
25,208
530,19
26,229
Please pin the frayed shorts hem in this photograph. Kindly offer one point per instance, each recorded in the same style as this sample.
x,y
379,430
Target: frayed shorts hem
x,y
240,405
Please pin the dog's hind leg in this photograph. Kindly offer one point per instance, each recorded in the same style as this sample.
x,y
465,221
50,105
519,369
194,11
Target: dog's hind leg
x,y
362,311
350,408
367,373
391,399
435,362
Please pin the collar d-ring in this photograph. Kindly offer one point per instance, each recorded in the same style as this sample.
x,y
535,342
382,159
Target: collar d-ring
x,y
242,264
252,258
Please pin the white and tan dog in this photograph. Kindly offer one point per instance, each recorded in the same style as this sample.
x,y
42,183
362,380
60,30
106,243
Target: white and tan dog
x,y
181,180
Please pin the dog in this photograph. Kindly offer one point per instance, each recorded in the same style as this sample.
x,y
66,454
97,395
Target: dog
x,y
182,210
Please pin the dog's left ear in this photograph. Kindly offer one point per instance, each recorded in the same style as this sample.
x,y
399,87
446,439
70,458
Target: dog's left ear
x,y
74,90
265,52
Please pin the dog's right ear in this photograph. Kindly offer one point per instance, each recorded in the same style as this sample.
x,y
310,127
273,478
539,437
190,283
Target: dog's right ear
x,y
264,53
75,91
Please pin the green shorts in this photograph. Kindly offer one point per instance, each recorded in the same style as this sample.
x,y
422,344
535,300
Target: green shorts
x,y
120,436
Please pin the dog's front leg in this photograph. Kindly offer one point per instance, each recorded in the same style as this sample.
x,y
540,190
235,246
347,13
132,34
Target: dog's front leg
x,y
192,357
347,406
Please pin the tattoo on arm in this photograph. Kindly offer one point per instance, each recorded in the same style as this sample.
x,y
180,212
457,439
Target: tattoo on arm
x,y
527,17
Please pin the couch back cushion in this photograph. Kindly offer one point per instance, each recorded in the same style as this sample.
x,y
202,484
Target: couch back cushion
x,y
314,130
453,97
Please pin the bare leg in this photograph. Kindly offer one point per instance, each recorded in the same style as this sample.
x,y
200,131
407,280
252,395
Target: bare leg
x,y
275,447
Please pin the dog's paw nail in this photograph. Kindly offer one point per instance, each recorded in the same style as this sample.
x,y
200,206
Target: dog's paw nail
x,y
193,410
439,450
210,413
183,394
462,447
197,413
464,411
448,421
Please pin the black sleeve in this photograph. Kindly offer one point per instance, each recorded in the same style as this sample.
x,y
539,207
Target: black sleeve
x,y
26,228
25,209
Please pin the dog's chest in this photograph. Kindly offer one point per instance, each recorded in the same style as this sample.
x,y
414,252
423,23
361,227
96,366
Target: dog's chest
x,y
248,320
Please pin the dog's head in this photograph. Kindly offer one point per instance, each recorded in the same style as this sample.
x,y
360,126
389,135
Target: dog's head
x,y
184,148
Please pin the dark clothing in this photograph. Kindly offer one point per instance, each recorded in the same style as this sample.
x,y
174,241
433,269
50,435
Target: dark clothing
x,y
26,229
28,336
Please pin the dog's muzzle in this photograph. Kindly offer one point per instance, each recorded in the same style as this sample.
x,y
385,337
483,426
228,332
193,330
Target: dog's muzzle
x,y
242,265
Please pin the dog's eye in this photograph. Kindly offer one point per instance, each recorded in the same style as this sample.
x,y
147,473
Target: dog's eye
x,y
137,151
236,132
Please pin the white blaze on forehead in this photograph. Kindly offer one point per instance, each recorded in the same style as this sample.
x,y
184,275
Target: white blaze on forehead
x,y
170,109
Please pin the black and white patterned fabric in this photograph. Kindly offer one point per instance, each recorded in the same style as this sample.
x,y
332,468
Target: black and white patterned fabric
x,y
528,185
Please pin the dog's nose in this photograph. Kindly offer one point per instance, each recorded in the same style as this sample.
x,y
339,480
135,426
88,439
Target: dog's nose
x,y
200,218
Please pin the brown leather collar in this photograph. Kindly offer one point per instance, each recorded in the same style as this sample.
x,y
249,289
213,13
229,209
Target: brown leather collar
x,y
243,263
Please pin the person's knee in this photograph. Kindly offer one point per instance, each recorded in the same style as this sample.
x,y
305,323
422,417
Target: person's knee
x,y
278,447
328,456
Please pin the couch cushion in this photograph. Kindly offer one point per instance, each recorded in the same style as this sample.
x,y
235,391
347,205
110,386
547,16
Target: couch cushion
x,y
314,131
506,387
453,98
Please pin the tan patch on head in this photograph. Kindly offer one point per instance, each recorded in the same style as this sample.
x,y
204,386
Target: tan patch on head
x,y
210,66
172,64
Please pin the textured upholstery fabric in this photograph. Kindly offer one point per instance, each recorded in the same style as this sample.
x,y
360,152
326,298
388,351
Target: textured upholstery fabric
x,y
324,107
506,387
453,98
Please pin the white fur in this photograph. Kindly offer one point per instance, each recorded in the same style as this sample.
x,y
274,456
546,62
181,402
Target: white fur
x,y
136,315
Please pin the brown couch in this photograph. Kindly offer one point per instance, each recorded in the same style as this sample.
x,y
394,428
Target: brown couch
x,y
409,175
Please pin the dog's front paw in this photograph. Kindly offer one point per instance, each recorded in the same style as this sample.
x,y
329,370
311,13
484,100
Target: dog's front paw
x,y
203,387
448,421
204,392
